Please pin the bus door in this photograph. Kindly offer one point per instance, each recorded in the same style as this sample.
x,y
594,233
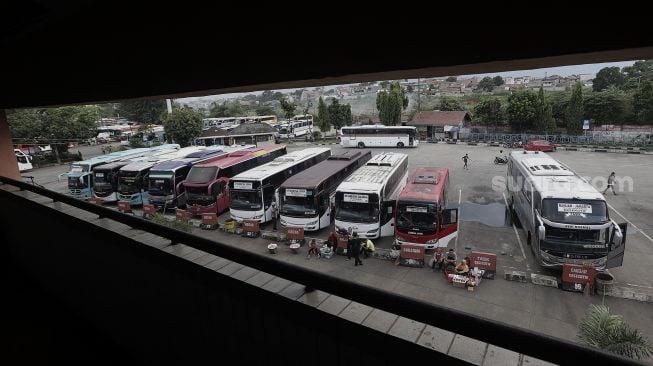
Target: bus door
x,y
617,247
448,221
388,218
411,139
220,194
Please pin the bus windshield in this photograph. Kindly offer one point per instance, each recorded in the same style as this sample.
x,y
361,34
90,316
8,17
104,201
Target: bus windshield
x,y
571,211
417,216
246,200
161,183
129,182
201,174
357,207
297,201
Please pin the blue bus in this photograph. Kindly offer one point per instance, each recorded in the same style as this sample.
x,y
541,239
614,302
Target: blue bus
x,y
80,176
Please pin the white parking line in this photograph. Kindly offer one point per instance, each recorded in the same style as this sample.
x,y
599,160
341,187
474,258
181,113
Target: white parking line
x,y
631,224
516,233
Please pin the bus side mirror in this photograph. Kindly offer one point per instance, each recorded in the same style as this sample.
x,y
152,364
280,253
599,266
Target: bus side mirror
x,y
617,238
179,188
541,232
450,216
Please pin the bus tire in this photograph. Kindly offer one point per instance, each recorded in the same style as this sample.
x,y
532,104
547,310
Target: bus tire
x,y
400,145
361,145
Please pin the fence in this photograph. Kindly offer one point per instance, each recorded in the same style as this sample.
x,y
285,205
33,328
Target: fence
x,y
594,139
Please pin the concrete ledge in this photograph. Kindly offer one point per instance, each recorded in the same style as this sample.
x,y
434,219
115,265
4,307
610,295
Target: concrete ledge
x,y
543,280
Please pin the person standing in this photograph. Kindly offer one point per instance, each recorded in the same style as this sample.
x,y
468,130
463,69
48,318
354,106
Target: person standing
x,y
465,159
611,179
274,216
356,249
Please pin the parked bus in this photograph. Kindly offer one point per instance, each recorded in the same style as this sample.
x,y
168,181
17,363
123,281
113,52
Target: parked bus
x,y
306,199
105,176
166,177
565,219
133,178
422,216
24,161
206,185
365,201
253,191
80,175
379,136
297,127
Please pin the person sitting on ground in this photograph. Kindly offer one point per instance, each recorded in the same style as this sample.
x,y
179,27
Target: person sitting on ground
x,y
462,268
313,250
367,248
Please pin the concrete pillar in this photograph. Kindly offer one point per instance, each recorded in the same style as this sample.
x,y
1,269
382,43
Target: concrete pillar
x,y
8,163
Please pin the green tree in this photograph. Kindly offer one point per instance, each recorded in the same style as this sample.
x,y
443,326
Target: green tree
x,y
605,107
288,107
559,102
574,114
264,110
643,102
339,114
451,79
522,110
390,104
487,84
143,111
608,76
545,121
323,119
602,330
450,104
488,111
226,109
498,80
636,74
183,125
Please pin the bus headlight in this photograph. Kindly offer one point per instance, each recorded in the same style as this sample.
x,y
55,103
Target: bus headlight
x,y
432,241
372,232
312,223
257,217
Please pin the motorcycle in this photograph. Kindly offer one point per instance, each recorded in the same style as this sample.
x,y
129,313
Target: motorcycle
x,y
501,159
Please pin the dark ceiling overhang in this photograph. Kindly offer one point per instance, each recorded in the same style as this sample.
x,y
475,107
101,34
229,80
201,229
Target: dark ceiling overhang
x,y
88,52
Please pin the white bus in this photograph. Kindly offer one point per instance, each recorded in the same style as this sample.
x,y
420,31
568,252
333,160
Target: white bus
x,y
306,199
365,201
565,219
296,127
379,136
252,192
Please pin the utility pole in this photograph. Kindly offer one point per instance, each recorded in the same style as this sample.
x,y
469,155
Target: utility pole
x,y
169,103
418,91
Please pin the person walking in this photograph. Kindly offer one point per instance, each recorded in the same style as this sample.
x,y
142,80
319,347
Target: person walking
x,y
356,249
465,159
274,216
611,179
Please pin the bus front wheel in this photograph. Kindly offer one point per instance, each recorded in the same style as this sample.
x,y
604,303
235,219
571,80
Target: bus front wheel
x,y
361,145
400,144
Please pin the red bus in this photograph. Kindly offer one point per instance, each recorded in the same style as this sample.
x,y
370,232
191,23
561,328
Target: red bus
x,y
207,185
422,216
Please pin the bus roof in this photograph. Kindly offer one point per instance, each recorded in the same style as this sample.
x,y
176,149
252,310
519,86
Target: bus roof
x,y
425,184
553,179
313,176
372,176
153,160
280,163
380,126
241,155
111,166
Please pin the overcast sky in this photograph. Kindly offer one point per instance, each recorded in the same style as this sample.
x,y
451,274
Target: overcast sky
x,y
561,70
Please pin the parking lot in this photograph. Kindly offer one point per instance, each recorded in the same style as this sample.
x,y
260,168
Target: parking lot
x,y
486,226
